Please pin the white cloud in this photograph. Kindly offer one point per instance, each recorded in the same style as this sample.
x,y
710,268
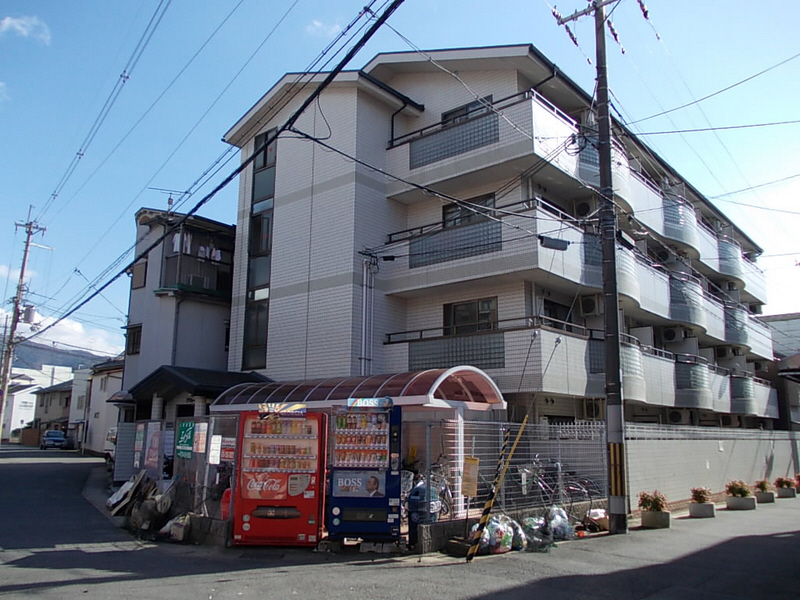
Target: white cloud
x,y
26,27
72,335
319,29
3,92
13,274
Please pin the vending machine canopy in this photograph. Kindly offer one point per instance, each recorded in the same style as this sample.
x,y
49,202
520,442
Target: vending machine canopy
x,y
433,388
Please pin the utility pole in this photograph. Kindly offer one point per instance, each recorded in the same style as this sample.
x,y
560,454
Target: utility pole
x,y
615,413
31,228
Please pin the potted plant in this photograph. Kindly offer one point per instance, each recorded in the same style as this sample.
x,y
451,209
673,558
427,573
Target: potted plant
x,y
763,493
739,497
654,510
785,487
701,506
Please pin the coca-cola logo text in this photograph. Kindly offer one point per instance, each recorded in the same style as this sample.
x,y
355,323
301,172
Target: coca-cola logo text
x,y
267,485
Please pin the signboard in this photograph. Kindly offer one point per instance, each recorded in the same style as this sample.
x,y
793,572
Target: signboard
x,y
285,409
138,444
200,437
228,450
153,451
358,484
214,449
469,482
185,441
369,403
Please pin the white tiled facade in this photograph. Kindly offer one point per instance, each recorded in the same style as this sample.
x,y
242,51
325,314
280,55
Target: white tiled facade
x,y
687,290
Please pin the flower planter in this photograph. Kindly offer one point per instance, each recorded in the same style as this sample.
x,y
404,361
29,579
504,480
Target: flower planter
x,y
652,519
765,497
702,510
739,503
787,493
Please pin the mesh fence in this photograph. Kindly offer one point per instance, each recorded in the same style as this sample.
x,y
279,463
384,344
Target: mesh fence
x,y
552,464
204,463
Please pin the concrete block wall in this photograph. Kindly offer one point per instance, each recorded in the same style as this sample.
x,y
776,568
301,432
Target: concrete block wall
x,y
674,466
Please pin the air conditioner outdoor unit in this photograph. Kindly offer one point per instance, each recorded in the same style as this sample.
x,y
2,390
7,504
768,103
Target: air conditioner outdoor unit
x,y
593,409
664,256
675,334
591,306
759,366
584,208
722,352
730,421
678,416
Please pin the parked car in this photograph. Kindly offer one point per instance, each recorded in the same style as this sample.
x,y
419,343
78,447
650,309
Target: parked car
x,y
54,439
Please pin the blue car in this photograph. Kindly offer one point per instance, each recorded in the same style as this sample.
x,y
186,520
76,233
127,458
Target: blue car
x,y
53,439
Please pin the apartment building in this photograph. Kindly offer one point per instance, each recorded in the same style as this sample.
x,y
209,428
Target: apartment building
x,y
417,219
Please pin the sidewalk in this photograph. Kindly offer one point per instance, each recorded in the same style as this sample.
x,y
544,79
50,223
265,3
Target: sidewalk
x,y
738,554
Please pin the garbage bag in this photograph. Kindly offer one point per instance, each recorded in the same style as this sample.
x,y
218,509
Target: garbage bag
x,y
537,535
498,535
559,525
518,539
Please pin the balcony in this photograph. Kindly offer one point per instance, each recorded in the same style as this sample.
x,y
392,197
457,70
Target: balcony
x,y
715,317
659,376
754,280
627,280
653,284
647,202
633,381
196,276
485,145
692,382
719,382
736,325
433,255
759,338
686,300
743,395
680,221
730,257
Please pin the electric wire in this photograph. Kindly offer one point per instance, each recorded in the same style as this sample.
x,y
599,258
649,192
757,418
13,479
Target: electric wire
x,y
227,180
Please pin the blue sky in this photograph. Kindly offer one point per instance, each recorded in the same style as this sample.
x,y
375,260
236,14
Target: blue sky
x,y
59,61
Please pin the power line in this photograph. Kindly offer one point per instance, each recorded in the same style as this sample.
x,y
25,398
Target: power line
x,y
287,125
725,89
143,42
753,187
723,128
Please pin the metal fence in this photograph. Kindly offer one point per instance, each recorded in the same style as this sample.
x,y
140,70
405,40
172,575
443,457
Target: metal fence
x,y
552,464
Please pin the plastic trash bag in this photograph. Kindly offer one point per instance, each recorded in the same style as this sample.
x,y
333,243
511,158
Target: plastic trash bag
x,y
559,525
537,535
501,534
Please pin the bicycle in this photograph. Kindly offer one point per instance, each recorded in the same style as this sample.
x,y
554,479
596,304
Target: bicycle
x,y
440,485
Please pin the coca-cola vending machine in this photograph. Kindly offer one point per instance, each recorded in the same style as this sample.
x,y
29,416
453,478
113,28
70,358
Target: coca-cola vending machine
x,y
280,496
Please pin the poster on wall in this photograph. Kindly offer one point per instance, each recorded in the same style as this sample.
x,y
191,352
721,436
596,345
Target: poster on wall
x,y
214,449
228,450
138,444
359,484
153,452
469,483
200,433
185,441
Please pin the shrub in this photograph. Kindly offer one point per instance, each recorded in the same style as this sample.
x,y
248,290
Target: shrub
x,y
701,495
762,485
655,502
737,488
784,482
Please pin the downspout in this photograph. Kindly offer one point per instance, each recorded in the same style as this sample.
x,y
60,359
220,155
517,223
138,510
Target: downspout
x,y
394,114
367,306
178,301
546,79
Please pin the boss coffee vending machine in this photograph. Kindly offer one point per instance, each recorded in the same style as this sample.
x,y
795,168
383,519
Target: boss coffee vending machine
x,y
280,494
364,498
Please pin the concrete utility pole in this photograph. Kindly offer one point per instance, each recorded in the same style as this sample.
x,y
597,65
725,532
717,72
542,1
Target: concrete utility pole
x,y
31,228
615,412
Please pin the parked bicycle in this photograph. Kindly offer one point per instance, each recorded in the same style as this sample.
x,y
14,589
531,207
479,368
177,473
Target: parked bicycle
x,y
439,477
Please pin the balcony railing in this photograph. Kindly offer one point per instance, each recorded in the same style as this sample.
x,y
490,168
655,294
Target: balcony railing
x,y
202,276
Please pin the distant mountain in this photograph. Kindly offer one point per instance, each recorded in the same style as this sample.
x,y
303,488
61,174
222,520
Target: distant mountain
x,y
30,355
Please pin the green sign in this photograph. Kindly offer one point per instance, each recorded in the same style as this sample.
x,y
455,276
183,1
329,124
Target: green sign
x,y
185,440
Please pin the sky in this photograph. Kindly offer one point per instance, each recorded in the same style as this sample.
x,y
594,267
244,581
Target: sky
x,y
204,63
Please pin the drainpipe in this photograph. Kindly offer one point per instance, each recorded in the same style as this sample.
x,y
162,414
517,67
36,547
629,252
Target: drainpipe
x,y
178,301
367,303
394,114
553,73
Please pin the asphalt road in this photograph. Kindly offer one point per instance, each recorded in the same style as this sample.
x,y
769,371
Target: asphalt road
x,y
55,544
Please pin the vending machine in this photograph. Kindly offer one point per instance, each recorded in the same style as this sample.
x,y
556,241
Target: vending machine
x,y
364,493
280,497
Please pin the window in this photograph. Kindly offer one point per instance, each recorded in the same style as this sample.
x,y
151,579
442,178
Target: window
x,y
466,112
103,383
139,273
260,233
81,401
455,214
470,317
255,335
133,342
555,314
264,174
